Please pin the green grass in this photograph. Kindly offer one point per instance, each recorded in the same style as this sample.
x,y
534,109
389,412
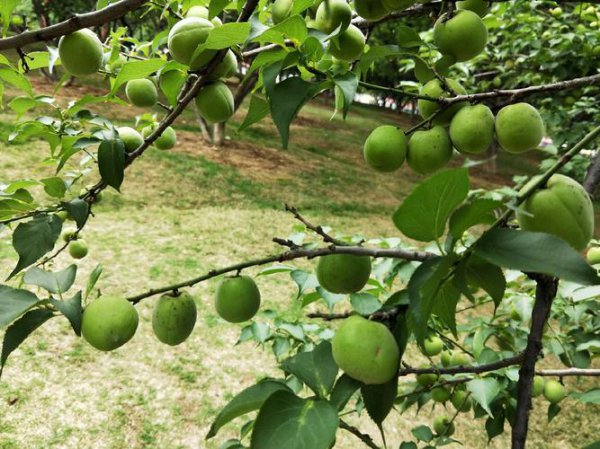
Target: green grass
x,y
181,214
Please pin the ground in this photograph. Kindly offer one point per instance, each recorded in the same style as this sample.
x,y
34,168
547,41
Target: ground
x,y
182,213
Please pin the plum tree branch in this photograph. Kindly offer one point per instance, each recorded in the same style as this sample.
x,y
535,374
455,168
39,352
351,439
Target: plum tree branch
x,y
569,372
467,369
317,229
298,253
365,438
77,22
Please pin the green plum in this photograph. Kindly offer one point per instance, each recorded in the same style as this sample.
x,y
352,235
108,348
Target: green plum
x,y
429,150
472,129
130,138
332,14
237,299
185,37
462,36
174,318
141,92
215,102
343,273
81,52
348,45
385,148
519,128
434,89
554,391
109,322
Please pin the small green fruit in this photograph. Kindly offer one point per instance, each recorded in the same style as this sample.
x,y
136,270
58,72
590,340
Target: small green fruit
x,y
167,139
538,386
78,249
459,359
109,322
432,346
281,10
141,93
198,11
429,150
366,350
332,14
519,128
442,425
348,45
554,391
174,318
562,208
215,102
227,68
461,401
130,138
479,7
556,12
81,52
446,358
463,36
343,273
370,9
426,379
67,236
472,129
385,148
62,215
185,37
440,394
398,5
593,255
433,88
237,299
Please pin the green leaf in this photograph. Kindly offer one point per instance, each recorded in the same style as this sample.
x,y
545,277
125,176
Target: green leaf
x,y
252,398
364,303
17,332
312,423
316,368
411,444
286,100
484,391
257,110
379,399
553,410
445,305
407,36
304,280
78,209
22,104
94,276
134,70
293,28
58,282
171,83
226,35
347,84
6,9
422,433
424,213
14,302
423,289
487,276
535,252
111,162
479,211
55,187
71,308
494,426
16,79
343,390
35,238
589,397
216,6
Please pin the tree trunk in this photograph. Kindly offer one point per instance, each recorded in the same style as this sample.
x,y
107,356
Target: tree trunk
x,y
219,134
244,88
592,178
206,132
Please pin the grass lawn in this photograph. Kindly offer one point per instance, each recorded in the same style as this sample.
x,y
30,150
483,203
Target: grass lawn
x,y
181,214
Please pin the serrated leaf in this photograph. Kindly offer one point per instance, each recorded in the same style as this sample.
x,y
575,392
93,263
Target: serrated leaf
x,y
313,423
250,399
479,211
72,310
225,36
54,282
55,187
16,79
14,302
216,6
316,368
494,426
20,330
347,85
588,397
111,162
445,306
484,391
535,252
364,303
423,214
422,433
379,399
487,276
35,238
343,390
94,276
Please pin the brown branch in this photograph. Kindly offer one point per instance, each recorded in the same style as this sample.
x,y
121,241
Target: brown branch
x,y
77,22
525,91
544,295
365,438
569,372
472,369
317,229
592,177
300,253
413,11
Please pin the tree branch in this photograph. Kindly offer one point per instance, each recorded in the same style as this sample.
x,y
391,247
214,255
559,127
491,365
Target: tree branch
x,y
317,229
299,253
544,295
77,22
365,438
569,372
471,369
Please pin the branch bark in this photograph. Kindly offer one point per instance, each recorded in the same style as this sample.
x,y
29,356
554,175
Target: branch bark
x,y
592,177
365,438
544,295
77,22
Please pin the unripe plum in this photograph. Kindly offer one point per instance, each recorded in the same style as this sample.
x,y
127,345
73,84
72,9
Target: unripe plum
x,y
237,299
343,273
109,322
81,52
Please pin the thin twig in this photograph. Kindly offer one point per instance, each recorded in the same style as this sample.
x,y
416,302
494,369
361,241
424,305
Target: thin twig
x,y
365,438
317,229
